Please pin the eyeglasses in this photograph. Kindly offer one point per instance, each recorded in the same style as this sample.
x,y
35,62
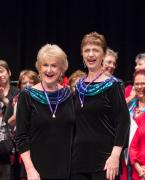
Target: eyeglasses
x,y
139,84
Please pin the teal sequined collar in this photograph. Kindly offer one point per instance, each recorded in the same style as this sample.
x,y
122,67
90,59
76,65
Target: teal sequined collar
x,y
94,88
91,89
39,95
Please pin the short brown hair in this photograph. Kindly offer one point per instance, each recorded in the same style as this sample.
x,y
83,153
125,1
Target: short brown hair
x,y
30,74
96,39
4,64
75,75
139,72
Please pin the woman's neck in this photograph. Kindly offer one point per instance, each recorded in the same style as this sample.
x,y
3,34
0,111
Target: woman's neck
x,y
93,74
6,88
141,102
50,87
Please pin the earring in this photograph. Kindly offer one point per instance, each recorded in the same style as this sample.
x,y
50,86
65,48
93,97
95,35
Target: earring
x,y
60,79
84,64
39,76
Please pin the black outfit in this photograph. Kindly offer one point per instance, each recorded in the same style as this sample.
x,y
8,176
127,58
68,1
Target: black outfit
x,y
13,91
48,139
100,175
5,166
102,123
9,110
15,164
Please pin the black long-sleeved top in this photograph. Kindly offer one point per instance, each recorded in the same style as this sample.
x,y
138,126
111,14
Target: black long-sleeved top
x,y
102,123
48,139
11,93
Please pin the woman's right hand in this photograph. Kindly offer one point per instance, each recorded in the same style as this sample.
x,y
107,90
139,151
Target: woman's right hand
x,y
140,169
32,174
131,96
142,172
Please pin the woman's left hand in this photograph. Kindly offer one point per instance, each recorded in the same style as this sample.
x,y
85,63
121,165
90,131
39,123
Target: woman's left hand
x,y
112,167
1,93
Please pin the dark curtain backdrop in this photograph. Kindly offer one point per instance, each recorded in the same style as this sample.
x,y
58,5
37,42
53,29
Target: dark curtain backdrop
x,y
26,25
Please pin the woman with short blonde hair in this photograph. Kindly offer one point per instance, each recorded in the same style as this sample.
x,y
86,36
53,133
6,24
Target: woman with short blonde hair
x,y
52,51
45,120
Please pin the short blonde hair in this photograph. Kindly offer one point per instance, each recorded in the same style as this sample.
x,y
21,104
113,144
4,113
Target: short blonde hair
x,y
111,52
95,39
140,57
49,51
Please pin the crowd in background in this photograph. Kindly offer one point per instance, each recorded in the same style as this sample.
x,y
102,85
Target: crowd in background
x,y
48,89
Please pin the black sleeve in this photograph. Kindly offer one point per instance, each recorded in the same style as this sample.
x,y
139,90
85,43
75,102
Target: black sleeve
x,y
23,116
120,115
12,92
9,111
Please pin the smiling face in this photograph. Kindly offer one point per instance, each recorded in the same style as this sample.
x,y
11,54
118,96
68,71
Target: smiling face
x,y
51,64
109,64
140,64
50,71
92,56
139,85
26,82
4,76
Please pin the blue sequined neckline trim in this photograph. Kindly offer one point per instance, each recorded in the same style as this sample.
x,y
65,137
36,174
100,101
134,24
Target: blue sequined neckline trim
x,y
94,88
39,95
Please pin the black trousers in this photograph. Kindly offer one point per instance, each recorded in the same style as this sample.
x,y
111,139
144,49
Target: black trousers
x,y
100,175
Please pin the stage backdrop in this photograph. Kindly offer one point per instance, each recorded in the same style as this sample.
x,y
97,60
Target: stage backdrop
x,y
26,25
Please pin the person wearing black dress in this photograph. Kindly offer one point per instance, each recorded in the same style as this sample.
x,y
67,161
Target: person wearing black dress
x,y
7,92
102,117
45,120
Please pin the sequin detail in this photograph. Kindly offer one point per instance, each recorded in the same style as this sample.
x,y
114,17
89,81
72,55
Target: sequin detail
x,y
39,95
85,89
94,89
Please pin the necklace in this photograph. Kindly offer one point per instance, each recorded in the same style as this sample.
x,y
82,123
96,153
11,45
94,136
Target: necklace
x,y
85,89
134,110
139,111
49,103
39,96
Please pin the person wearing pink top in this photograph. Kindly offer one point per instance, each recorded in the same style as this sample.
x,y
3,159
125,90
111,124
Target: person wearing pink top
x,y
140,64
137,152
137,112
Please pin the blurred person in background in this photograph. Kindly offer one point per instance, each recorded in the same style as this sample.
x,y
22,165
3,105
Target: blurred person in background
x,y
27,78
7,92
137,140
110,61
140,65
75,76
